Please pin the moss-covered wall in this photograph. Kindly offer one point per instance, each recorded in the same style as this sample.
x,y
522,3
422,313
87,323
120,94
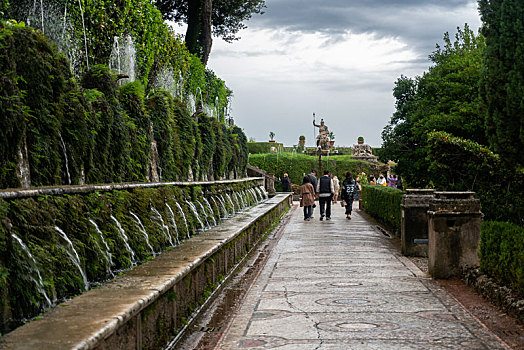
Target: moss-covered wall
x,y
106,235
95,131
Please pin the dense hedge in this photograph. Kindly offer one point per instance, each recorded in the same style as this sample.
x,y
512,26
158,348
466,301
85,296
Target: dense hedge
x,y
458,164
160,54
263,147
383,203
296,165
502,253
96,131
89,221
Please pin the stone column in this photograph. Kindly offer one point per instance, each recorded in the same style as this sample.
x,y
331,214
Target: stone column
x,y
270,183
414,234
454,233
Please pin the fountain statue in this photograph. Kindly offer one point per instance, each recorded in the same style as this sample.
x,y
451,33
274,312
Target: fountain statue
x,y
362,151
322,137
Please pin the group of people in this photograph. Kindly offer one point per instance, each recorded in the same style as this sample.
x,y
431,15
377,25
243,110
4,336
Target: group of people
x,y
326,190
391,180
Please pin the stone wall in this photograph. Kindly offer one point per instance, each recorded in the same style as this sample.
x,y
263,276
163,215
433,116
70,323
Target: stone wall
x,y
61,241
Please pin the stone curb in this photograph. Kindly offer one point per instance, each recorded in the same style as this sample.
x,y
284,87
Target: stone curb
x,y
501,296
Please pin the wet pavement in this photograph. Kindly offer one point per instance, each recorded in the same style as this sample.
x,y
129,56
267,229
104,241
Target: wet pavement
x,y
340,284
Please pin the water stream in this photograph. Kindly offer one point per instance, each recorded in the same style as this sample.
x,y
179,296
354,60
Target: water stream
x,y
85,36
160,221
107,252
71,251
196,215
142,230
204,212
231,202
173,222
222,206
34,269
66,160
216,206
211,212
125,239
183,218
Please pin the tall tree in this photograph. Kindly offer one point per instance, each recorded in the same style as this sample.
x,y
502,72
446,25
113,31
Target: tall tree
x,y
444,99
204,18
502,84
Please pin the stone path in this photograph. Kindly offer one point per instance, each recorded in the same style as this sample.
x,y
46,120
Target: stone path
x,y
340,284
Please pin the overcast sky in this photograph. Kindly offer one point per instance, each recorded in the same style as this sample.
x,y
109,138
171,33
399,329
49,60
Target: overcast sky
x,y
336,58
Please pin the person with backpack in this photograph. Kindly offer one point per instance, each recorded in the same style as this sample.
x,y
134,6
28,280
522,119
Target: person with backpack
x,y
349,192
325,191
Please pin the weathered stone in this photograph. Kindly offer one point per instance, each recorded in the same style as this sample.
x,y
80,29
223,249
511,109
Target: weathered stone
x,y
454,220
415,205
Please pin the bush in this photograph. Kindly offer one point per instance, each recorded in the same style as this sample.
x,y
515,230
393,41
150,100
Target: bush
x,y
262,147
458,164
502,253
383,203
296,165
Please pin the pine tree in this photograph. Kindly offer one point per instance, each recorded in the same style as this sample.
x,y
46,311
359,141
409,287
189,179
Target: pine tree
x,y
502,84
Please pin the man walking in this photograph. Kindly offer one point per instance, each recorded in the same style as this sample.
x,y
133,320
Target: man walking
x,y
325,190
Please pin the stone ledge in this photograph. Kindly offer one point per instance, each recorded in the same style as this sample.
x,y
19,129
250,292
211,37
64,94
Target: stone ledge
x,y
77,189
114,315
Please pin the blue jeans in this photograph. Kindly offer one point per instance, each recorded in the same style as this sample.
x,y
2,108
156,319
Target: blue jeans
x,y
308,210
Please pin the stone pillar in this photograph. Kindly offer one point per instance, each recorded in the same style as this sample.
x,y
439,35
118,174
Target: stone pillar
x,y
454,233
270,183
414,233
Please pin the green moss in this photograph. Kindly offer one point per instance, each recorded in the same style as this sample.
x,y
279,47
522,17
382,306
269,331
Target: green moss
x,y
160,107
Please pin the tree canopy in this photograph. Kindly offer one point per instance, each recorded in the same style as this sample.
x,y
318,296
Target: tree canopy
x,y
222,18
503,76
445,98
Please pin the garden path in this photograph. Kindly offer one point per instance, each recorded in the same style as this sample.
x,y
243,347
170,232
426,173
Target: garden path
x,y
341,284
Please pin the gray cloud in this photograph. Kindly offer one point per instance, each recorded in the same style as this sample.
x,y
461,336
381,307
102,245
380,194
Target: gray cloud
x,y
420,23
354,101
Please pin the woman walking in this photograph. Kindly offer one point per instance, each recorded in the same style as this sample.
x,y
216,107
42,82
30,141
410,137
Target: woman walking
x,y
307,197
349,192
336,185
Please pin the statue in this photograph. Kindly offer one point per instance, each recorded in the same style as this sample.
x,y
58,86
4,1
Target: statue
x,y
323,136
363,152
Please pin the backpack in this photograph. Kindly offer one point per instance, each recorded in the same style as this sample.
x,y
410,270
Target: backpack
x,y
351,190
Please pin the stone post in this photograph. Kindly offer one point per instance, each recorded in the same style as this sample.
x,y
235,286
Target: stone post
x,y
414,233
270,183
454,233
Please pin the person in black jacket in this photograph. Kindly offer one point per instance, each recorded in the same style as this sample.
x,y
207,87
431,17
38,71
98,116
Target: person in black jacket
x,y
286,184
349,192
325,191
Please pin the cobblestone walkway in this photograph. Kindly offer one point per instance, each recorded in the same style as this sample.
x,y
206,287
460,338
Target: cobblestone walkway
x,y
340,284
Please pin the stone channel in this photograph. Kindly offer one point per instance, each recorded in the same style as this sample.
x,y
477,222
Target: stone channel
x,y
147,306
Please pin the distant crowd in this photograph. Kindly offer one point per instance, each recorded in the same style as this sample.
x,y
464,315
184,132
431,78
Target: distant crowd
x,y
327,190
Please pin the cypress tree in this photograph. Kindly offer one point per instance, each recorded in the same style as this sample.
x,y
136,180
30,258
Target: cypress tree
x,y
502,84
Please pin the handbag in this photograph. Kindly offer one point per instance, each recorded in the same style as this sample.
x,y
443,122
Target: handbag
x,y
342,203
